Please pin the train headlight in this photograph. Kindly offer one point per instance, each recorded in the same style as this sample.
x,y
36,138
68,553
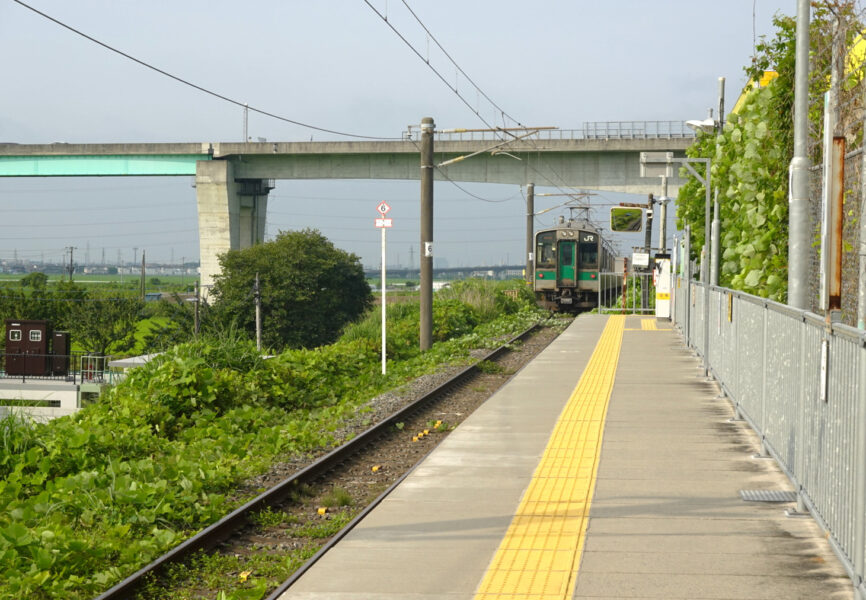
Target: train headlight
x,y
541,275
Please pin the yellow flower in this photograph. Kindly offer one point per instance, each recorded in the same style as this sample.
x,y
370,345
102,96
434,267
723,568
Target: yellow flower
x,y
244,575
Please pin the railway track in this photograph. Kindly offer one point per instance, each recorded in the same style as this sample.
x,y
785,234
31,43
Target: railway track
x,y
316,472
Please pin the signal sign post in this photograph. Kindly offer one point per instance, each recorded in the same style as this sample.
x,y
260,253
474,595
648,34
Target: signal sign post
x,y
383,224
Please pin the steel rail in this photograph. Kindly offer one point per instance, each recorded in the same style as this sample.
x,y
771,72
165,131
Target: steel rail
x,y
213,534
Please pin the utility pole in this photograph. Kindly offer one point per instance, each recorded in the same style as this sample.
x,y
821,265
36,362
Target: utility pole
x,y
258,298
246,122
426,258
798,199
530,230
142,273
195,321
644,295
71,264
715,241
663,216
134,256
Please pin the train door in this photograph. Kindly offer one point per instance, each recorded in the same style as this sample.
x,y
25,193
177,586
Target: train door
x,y
567,269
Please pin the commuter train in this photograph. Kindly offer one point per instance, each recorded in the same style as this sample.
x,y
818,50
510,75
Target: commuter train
x,y
573,263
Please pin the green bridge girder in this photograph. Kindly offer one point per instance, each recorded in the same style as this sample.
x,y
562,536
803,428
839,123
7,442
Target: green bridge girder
x,y
99,165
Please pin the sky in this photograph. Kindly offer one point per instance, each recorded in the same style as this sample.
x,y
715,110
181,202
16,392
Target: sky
x,y
337,65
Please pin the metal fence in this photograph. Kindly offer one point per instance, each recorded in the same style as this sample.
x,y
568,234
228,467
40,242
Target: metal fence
x,y
800,382
591,130
77,367
637,295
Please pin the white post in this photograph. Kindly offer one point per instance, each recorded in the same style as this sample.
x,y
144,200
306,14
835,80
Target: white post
x,y
384,302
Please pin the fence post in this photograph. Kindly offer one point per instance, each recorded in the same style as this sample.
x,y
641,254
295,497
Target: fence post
x,y
764,450
800,447
687,269
735,325
860,477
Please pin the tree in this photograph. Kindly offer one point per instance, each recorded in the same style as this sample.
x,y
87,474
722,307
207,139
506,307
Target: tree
x,y
36,280
309,289
35,301
105,325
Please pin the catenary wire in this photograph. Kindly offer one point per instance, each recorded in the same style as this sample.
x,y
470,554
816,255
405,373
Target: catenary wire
x,y
195,86
459,68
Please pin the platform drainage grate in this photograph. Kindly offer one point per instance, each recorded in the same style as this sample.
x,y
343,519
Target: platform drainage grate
x,y
768,496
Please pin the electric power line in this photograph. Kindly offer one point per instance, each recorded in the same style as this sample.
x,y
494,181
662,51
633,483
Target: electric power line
x,y
193,85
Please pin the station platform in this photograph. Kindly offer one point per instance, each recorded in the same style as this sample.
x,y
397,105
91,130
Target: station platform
x,y
606,468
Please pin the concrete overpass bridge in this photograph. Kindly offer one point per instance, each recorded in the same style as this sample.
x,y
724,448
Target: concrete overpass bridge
x,y
233,179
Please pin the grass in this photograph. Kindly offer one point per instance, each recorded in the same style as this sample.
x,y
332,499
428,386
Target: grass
x,y
337,497
268,518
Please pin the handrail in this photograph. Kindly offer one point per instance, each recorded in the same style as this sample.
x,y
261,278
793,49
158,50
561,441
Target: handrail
x,y
591,130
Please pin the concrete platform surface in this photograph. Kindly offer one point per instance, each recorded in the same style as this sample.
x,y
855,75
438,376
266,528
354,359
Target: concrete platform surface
x,y
666,519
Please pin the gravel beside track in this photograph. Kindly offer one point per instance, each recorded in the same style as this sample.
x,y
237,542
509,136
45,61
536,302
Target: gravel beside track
x,y
347,489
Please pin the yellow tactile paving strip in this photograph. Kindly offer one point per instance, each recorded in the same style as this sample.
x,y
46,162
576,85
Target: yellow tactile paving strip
x,y
648,324
540,553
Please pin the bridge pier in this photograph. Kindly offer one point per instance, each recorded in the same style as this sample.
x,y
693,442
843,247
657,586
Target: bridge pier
x,y
231,213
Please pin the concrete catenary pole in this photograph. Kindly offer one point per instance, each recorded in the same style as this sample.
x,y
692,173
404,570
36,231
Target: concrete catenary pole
x,y
426,333
861,289
143,271
648,248
647,242
663,216
716,228
721,104
258,299
716,245
798,199
530,230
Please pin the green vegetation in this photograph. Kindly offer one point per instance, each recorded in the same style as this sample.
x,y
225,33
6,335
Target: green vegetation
x,y
750,159
309,289
88,499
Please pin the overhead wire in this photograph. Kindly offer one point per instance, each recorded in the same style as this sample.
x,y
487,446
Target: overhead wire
x,y
196,86
498,132
459,68
453,88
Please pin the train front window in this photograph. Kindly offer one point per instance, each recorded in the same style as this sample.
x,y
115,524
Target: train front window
x,y
545,252
588,250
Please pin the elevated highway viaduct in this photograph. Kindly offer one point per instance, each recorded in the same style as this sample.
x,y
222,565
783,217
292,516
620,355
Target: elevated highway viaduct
x,y
232,180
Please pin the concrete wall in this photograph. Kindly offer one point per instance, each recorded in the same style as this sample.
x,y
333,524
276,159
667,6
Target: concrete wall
x,y
64,392
231,214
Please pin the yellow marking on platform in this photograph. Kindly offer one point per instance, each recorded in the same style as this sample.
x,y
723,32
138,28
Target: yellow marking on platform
x,y
540,554
648,324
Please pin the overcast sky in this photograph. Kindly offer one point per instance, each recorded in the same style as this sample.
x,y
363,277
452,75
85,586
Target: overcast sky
x,y
336,64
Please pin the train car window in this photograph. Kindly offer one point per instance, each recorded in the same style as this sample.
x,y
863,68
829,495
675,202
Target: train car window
x,y
14,335
588,251
545,253
35,335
